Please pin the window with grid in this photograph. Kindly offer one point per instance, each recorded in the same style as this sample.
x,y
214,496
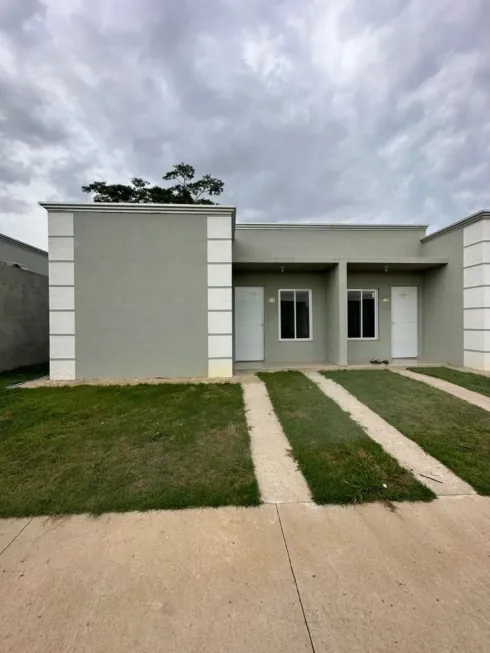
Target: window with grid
x,y
295,314
362,314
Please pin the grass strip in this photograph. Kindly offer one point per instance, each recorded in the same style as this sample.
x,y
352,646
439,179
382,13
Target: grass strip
x,y
340,463
450,429
468,380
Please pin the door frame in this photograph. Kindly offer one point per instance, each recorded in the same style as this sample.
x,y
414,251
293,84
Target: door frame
x,y
255,360
417,322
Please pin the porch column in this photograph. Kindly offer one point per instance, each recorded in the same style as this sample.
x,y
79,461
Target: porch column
x,y
342,319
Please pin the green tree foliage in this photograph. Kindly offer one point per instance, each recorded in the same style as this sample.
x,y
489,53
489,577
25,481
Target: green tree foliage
x,y
184,191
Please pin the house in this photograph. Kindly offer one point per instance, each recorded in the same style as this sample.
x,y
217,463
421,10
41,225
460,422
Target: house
x,y
139,291
18,254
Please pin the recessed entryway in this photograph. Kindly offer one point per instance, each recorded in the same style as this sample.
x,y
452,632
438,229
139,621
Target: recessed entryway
x,y
404,322
249,323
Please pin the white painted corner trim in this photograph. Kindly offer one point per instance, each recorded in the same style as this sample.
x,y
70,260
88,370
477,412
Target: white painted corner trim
x,y
476,294
61,255
220,299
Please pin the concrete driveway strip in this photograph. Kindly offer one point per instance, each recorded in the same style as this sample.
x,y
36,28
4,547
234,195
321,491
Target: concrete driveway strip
x,y
186,581
377,581
457,391
425,468
277,473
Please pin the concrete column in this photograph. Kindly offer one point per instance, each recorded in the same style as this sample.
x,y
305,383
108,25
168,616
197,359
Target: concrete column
x,y
342,308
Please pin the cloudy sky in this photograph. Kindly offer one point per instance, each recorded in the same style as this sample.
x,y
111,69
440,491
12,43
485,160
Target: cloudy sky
x,y
309,110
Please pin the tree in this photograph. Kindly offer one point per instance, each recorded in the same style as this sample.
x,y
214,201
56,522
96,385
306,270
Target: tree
x,y
184,191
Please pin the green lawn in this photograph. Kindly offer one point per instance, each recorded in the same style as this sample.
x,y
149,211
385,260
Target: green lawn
x,y
340,462
96,449
450,429
468,380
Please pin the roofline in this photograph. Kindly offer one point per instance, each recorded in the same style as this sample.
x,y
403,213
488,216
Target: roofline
x,y
22,245
335,226
475,217
132,207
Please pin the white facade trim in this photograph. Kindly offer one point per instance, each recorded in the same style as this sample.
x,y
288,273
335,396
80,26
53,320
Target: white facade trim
x,y
61,248
220,322
219,275
61,273
62,323
219,251
220,346
62,370
220,298
61,296
60,224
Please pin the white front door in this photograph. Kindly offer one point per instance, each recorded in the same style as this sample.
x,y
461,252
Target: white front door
x,y
404,322
249,324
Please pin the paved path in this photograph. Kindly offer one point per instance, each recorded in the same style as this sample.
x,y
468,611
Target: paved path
x,y
279,478
274,579
457,391
424,467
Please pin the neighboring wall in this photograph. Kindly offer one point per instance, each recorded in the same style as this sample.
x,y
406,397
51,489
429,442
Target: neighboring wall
x,y
23,318
443,301
276,351
361,351
15,251
260,244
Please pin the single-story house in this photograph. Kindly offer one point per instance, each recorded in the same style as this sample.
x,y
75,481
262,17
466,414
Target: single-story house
x,y
139,291
19,254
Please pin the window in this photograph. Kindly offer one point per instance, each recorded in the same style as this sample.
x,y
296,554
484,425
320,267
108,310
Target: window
x,y
295,315
362,314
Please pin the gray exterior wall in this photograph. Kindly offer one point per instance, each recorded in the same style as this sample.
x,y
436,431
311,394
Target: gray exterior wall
x,y
14,251
305,245
24,328
290,352
361,351
443,329
141,302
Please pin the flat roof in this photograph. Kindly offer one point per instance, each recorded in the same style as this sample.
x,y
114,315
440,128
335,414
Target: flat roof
x,y
22,245
465,222
138,207
326,226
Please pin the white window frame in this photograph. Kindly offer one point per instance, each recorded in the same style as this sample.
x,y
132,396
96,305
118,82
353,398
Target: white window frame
x,y
310,306
376,308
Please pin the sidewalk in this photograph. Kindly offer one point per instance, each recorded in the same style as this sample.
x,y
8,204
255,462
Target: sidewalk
x,y
278,578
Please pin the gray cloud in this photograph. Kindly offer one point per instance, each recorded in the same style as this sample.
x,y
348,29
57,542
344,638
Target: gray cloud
x,y
338,111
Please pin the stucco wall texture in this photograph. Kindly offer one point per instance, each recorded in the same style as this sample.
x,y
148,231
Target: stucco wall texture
x,y
24,318
140,295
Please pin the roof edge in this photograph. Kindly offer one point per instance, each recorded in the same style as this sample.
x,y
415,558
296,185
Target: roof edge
x,y
465,222
333,226
120,207
22,245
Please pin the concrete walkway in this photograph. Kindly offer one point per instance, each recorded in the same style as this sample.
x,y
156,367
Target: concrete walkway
x,y
292,578
456,390
279,478
426,469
